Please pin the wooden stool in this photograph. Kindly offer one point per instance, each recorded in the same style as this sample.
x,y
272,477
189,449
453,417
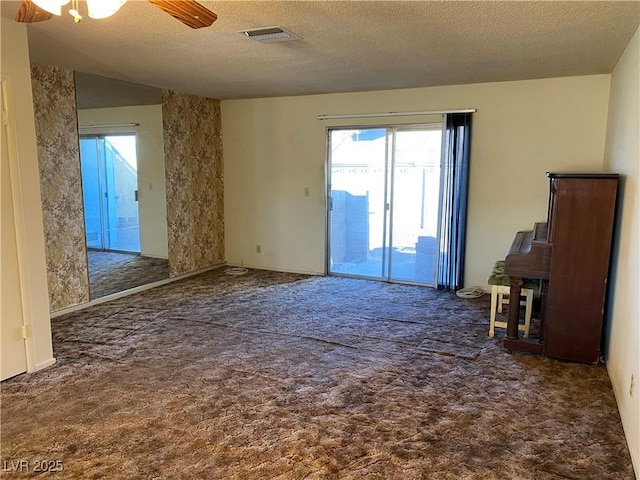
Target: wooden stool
x,y
500,287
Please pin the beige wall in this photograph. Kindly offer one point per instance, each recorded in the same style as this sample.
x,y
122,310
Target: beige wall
x,y
54,106
275,147
622,155
193,164
152,205
15,68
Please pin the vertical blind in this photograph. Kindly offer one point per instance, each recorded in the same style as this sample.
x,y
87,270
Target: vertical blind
x,y
456,146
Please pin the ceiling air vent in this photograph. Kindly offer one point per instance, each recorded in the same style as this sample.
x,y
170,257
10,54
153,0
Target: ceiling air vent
x,y
270,34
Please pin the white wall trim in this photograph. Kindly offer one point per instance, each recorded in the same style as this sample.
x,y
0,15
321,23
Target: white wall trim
x,y
282,270
19,216
45,364
626,427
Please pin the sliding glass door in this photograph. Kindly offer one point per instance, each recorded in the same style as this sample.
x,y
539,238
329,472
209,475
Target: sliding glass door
x,y
110,191
384,191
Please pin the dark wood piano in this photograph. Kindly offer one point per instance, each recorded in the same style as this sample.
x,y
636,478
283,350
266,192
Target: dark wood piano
x,y
570,254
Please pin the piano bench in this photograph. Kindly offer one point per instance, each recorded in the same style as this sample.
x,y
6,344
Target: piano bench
x,y
500,286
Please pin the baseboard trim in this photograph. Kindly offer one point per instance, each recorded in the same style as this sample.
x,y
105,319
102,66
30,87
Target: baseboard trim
x,y
626,427
132,291
45,364
272,269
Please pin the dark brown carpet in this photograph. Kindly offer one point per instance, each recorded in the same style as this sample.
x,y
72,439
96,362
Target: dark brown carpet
x,y
113,272
281,376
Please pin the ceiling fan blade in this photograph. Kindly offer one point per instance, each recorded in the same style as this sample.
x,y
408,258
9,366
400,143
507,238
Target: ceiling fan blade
x,y
189,12
30,13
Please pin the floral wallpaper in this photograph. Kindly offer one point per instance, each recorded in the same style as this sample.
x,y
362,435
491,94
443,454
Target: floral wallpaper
x,y
54,104
193,163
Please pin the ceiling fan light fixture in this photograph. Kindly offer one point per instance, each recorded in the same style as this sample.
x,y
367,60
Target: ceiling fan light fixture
x,y
51,6
189,12
103,8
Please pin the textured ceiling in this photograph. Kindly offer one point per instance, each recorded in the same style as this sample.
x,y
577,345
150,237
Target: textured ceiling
x,y
347,46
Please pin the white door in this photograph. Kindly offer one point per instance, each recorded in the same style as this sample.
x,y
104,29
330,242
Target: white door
x,y
13,348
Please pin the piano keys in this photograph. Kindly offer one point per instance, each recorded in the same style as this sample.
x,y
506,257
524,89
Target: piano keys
x,y
570,254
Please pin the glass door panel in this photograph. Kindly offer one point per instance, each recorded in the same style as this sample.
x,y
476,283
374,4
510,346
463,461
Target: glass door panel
x,y
122,181
384,201
414,205
357,202
90,153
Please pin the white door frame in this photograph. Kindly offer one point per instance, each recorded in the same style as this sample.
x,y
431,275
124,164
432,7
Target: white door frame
x,y
8,125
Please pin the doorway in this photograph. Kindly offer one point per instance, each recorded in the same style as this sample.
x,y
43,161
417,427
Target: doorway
x,y
110,192
384,202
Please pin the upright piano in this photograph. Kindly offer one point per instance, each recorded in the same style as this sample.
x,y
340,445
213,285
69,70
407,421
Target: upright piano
x,y
570,253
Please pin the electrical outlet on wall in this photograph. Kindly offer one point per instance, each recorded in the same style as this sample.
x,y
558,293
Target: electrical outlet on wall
x,y
632,386
258,249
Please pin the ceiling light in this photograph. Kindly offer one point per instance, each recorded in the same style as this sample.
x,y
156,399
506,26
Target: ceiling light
x,y
270,34
51,6
96,8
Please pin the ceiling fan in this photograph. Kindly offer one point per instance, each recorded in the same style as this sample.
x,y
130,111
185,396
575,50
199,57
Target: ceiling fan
x,y
189,12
